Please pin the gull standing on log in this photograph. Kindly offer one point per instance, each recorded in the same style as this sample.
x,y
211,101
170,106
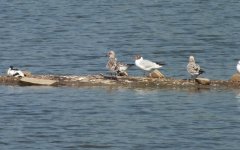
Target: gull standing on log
x,y
15,72
116,67
146,65
194,69
238,66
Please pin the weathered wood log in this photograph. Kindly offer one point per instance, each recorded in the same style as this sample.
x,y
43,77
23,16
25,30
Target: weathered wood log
x,y
37,81
203,81
130,81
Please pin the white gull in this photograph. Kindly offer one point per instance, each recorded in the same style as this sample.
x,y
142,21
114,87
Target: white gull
x,y
238,67
15,72
146,65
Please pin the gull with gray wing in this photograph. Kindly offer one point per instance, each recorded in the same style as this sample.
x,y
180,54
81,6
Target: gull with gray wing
x,y
145,64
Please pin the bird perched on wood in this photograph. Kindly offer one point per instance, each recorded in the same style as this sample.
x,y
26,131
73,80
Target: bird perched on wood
x,y
146,65
15,72
194,69
238,67
116,67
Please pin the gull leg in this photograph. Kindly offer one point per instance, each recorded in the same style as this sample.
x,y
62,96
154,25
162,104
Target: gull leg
x,y
194,79
144,73
190,79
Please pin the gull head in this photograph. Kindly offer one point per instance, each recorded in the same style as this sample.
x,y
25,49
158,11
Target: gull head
x,y
11,67
191,59
111,54
239,62
137,57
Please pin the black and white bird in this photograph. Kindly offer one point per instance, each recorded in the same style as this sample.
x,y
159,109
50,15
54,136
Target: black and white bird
x,y
15,72
116,67
238,67
146,65
194,69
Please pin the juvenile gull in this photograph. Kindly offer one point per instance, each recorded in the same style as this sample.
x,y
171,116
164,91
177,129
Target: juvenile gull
x,y
238,67
193,69
116,67
146,65
15,72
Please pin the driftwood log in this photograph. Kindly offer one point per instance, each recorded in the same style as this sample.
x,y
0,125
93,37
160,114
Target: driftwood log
x,y
129,81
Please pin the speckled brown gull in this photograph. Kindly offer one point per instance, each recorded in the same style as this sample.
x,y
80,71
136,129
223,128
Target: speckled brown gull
x,y
114,66
193,69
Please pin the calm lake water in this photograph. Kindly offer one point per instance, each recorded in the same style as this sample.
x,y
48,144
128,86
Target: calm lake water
x,y
72,38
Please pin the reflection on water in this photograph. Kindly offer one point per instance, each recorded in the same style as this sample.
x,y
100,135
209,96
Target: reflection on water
x,y
238,98
145,91
238,95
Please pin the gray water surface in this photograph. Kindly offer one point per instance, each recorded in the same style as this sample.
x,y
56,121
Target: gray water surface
x,y
105,118
72,37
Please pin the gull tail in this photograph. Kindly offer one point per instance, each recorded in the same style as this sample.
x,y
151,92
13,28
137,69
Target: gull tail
x,y
201,71
160,63
130,65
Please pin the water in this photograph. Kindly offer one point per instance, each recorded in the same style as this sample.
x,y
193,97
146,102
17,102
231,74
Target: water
x,y
105,118
72,37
